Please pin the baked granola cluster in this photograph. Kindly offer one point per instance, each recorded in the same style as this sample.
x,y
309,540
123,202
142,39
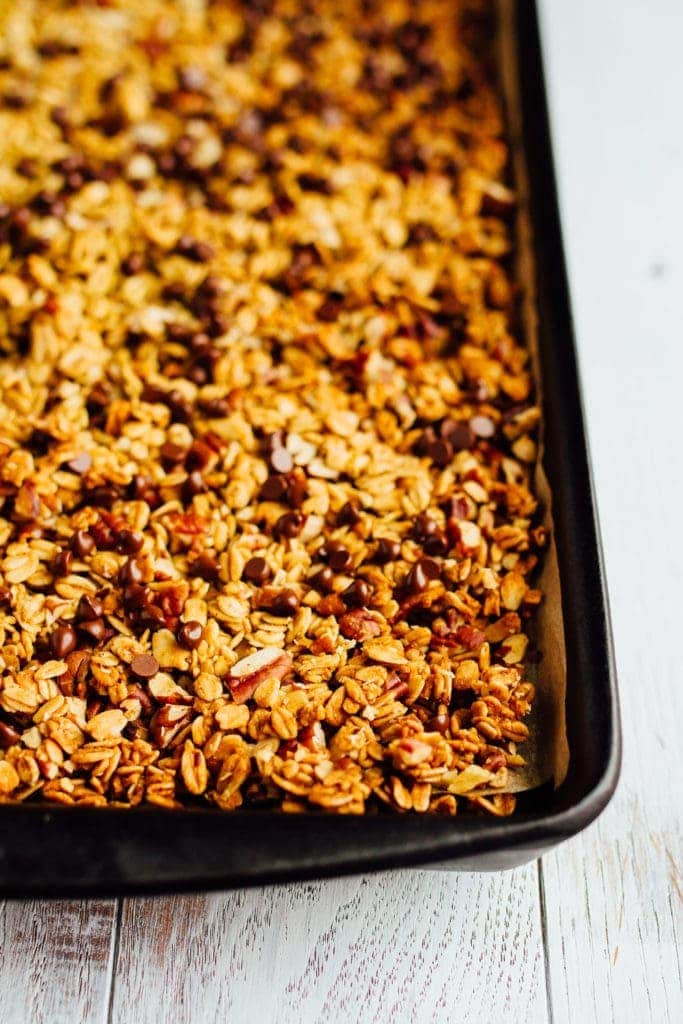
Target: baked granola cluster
x,y
267,431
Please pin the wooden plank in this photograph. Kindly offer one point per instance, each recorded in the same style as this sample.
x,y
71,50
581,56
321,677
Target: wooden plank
x,y
56,961
613,904
410,946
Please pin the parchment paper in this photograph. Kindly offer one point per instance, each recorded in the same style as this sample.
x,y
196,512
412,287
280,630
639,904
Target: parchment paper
x,y
547,750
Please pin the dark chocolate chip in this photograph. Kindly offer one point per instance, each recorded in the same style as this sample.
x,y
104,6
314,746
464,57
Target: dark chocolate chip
x,y
285,603
96,629
64,641
89,608
348,515
61,566
386,551
206,567
82,544
273,489
257,571
323,580
190,634
129,542
289,525
457,434
440,452
130,572
357,595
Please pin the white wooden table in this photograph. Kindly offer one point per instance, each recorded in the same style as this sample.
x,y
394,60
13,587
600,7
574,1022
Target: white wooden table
x,y
591,933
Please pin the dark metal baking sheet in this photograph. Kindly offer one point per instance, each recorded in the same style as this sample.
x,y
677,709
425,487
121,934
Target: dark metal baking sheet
x,y
71,851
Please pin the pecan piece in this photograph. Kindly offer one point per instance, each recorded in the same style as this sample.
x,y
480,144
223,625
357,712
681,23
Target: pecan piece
x,y
247,674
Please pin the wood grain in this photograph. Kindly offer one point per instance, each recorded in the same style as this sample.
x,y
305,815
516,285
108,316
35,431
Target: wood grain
x,y
56,961
418,947
613,901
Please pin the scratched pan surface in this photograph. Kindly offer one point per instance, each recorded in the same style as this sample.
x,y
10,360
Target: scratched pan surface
x,y
67,851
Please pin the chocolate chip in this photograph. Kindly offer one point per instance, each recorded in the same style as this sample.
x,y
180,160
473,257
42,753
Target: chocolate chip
x,y
8,736
348,515
80,463
424,527
194,484
424,442
440,452
5,597
257,571
61,566
386,551
457,434
134,263
95,629
418,577
337,556
181,407
82,544
214,408
190,634
357,595
103,496
289,525
330,309
144,665
273,489
129,542
482,426
89,608
206,567
285,603
192,249
64,641
430,568
280,460
134,598
323,580
130,572
437,545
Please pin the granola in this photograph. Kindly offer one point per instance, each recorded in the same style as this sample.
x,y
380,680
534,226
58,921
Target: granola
x,y
268,429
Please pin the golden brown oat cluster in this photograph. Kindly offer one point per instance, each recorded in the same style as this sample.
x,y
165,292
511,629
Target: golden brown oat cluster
x,y
267,433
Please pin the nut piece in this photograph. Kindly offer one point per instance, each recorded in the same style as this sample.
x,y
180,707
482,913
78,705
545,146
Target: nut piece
x,y
246,674
385,650
107,724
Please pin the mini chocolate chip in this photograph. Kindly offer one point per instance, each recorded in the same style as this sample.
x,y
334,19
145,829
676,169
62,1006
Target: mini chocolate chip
x,y
348,515
425,441
214,408
430,568
280,460
129,542
134,598
339,557
144,665
289,525
257,571
482,426
457,434
82,544
134,263
80,463
103,496
96,629
64,641
206,567
89,607
424,527
323,580
5,596
8,736
440,452
190,634
273,489
439,723
199,456
357,594
130,572
194,484
437,545
181,407
416,580
61,566
386,551
285,603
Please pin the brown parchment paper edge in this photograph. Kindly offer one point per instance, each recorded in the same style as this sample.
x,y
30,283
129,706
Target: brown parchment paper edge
x,y
547,750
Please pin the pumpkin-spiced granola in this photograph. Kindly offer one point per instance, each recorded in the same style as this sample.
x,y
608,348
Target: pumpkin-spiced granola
x,y
267,427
